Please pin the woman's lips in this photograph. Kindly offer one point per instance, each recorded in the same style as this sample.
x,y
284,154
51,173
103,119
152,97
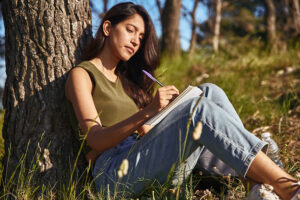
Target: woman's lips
x,y
130,50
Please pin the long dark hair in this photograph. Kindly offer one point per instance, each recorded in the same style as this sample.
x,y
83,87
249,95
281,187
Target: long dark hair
x,y
135,83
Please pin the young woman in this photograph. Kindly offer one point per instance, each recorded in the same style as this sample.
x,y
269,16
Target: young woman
x,y
112,99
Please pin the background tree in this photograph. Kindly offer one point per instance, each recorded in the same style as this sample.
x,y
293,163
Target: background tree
x,y
44,39
170,17
295,11
271,24
98,12
241,20
288,16
217,22
195,24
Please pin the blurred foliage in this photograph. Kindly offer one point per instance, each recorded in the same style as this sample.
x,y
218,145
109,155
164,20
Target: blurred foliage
x,y
239,19
246,20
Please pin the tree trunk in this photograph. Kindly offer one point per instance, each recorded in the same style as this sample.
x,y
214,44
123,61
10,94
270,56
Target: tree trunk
x,y
170,28
105,8
44,40
271,23
216,37
295,16
194,25
289,12
160,10
105,5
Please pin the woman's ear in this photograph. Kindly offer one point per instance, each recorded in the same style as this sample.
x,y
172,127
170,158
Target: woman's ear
x,y
106,28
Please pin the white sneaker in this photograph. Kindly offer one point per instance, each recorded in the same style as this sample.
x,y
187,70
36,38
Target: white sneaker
x,y
297,195
262,192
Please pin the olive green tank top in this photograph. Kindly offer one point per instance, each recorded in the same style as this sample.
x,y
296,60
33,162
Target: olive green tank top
x,y
111,101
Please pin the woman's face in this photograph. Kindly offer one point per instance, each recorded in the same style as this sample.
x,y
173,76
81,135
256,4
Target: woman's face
x,y
126,37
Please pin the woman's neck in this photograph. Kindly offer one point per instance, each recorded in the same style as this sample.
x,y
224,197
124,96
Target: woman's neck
x,y
109,73
106,65
107,59
106,62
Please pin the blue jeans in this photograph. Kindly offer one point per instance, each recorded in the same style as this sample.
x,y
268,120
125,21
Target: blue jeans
x,y
153,156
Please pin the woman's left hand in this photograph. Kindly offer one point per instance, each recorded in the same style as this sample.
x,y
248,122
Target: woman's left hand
x,y
143,130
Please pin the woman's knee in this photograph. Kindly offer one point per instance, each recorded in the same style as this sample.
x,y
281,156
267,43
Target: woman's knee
x,y
211,89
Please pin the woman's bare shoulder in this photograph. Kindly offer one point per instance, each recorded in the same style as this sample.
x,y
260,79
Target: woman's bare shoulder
x,y
78,72
78,81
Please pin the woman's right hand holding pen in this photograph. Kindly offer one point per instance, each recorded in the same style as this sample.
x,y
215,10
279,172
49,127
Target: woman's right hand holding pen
x,y
163,97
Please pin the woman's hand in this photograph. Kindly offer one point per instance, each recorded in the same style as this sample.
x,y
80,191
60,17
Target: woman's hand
x,y
91,156
143,130
163,97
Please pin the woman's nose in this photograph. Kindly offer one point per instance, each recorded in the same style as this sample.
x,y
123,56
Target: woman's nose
x,y
135,41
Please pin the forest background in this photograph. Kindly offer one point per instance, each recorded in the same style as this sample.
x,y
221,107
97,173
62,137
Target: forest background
x,y
249,48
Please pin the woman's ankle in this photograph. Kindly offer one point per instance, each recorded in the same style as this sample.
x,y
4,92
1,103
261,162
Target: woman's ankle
x,y
289,190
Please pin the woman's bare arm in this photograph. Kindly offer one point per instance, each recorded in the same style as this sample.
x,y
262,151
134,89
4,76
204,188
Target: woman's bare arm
x,y
79,91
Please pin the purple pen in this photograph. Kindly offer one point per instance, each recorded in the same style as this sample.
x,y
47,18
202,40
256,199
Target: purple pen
x,y
154,79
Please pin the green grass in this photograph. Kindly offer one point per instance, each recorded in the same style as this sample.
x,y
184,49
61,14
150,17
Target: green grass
x,y
261,95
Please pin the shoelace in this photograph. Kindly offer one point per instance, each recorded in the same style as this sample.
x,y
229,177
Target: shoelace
x,y
297,183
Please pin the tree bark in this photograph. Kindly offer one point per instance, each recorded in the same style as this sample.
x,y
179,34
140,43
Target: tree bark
x,y
289,13
295,15
217,25
271,23
284,16
194,25
44,40
170,44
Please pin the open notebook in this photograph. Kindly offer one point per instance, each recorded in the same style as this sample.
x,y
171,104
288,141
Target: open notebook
x,y
188,93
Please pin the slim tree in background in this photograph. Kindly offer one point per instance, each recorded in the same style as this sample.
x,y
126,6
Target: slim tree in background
x,y
160,8
295,12
217,24
43,40
271,24
170,17
288,17
95,10
194,26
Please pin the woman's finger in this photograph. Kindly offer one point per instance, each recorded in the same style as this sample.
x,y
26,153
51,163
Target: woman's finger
x,y
171,88
168,90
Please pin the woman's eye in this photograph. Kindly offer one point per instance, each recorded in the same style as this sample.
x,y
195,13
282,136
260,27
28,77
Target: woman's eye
x,y
129,30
